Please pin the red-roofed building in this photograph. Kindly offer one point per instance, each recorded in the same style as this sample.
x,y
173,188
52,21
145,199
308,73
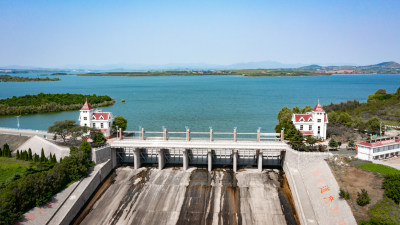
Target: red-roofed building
x,y
96,119
380,148
312,123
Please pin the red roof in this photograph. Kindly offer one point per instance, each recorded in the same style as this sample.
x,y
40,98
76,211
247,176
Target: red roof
x,y
318,108
97,115
325,118
86,106
306,117
379,143
307,132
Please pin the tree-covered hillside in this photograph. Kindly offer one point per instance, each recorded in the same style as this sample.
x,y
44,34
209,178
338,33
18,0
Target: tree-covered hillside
x,y
42,103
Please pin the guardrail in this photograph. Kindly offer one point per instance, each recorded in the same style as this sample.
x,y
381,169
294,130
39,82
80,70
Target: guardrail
x,y
194,135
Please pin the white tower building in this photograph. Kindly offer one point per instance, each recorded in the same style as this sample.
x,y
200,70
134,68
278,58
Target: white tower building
x,y
96,119
312,123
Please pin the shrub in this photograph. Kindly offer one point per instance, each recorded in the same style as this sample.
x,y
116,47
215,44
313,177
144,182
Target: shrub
x,y
344,194
363,198
385,211
392,187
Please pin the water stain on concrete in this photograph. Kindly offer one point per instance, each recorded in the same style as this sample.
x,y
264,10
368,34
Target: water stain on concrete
x,y
172,196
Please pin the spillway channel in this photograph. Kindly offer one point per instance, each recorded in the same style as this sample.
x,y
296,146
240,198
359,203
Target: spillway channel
x,y
195,196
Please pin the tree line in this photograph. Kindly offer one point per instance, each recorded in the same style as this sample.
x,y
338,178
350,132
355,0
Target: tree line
x,y
43,103
37,188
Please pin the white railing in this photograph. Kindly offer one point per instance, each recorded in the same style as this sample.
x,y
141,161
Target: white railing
x,y
196,135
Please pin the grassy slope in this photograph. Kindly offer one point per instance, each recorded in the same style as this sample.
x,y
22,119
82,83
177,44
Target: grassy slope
x,y
385,170
10,167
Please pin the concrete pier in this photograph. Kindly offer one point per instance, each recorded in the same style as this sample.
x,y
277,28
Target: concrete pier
x,y
260,161
209,159
185,159
235,156
136,158
161,159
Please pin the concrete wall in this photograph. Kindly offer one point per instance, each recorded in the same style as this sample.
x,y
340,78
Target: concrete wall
x,y
82,193
102,154
307,173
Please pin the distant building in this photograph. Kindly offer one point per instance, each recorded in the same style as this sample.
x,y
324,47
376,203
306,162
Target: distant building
x,y
380,148
312,123
98,119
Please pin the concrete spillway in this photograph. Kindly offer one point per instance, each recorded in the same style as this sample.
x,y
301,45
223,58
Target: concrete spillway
x,y
195,196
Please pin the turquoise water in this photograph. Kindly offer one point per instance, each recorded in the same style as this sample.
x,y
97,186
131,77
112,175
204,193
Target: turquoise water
x,y
223,102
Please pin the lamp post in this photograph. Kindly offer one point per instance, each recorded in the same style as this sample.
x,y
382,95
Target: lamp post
x,y
18,122
117,131
380,128
140,131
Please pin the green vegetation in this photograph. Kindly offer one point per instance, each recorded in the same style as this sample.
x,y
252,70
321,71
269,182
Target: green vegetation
x,y
392,187
344,194
347,116
121,122
8,78
43,103
292,134
38,187
381,68
385,212
385,170
11,169
363,198
250,72
62,128
333,144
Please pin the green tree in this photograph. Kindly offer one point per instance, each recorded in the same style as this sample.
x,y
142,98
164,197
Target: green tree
x,y
85,147
6,150
306,109
296,110
42,157
362,198
121,122
17,156
36,158
311,141
373,125
98,138
1,153
73,150
62,128
333,144
30,157
285,115
392,187
351,144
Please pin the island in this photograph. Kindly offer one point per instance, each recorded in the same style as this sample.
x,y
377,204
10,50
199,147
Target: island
x,y
248,73
44,103
59,74
8,78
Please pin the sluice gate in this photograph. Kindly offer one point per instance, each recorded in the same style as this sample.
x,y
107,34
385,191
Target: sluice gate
x,y
210,152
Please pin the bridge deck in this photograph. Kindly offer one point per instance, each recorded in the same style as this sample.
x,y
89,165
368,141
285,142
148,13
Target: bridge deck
x,y
200,144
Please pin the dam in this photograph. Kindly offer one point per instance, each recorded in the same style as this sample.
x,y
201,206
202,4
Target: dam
x,y
212,178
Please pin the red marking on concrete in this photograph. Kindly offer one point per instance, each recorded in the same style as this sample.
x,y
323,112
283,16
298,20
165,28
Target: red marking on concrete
x,y
340,222
329,199
316,172
320,180
324,189
30,216
334,211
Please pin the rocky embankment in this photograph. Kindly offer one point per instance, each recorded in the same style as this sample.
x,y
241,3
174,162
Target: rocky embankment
x,y
173,196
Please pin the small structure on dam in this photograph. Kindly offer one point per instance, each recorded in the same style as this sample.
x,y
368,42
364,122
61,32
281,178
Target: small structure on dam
x,y
263,149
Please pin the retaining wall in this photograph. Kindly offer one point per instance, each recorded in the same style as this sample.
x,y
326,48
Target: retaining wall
x,y
82,193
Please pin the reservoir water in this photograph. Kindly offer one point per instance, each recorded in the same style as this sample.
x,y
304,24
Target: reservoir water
x,y
223,102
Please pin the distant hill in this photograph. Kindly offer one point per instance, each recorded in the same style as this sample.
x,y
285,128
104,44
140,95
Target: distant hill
x,y
381,68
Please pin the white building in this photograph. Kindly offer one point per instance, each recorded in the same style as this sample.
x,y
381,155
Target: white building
x,y
96,119
312,123
380,148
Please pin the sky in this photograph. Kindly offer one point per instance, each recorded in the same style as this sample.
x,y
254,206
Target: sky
x,y
95,32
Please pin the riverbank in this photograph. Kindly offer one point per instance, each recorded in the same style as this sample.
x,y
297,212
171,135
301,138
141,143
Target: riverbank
x,y
8,78
248,73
